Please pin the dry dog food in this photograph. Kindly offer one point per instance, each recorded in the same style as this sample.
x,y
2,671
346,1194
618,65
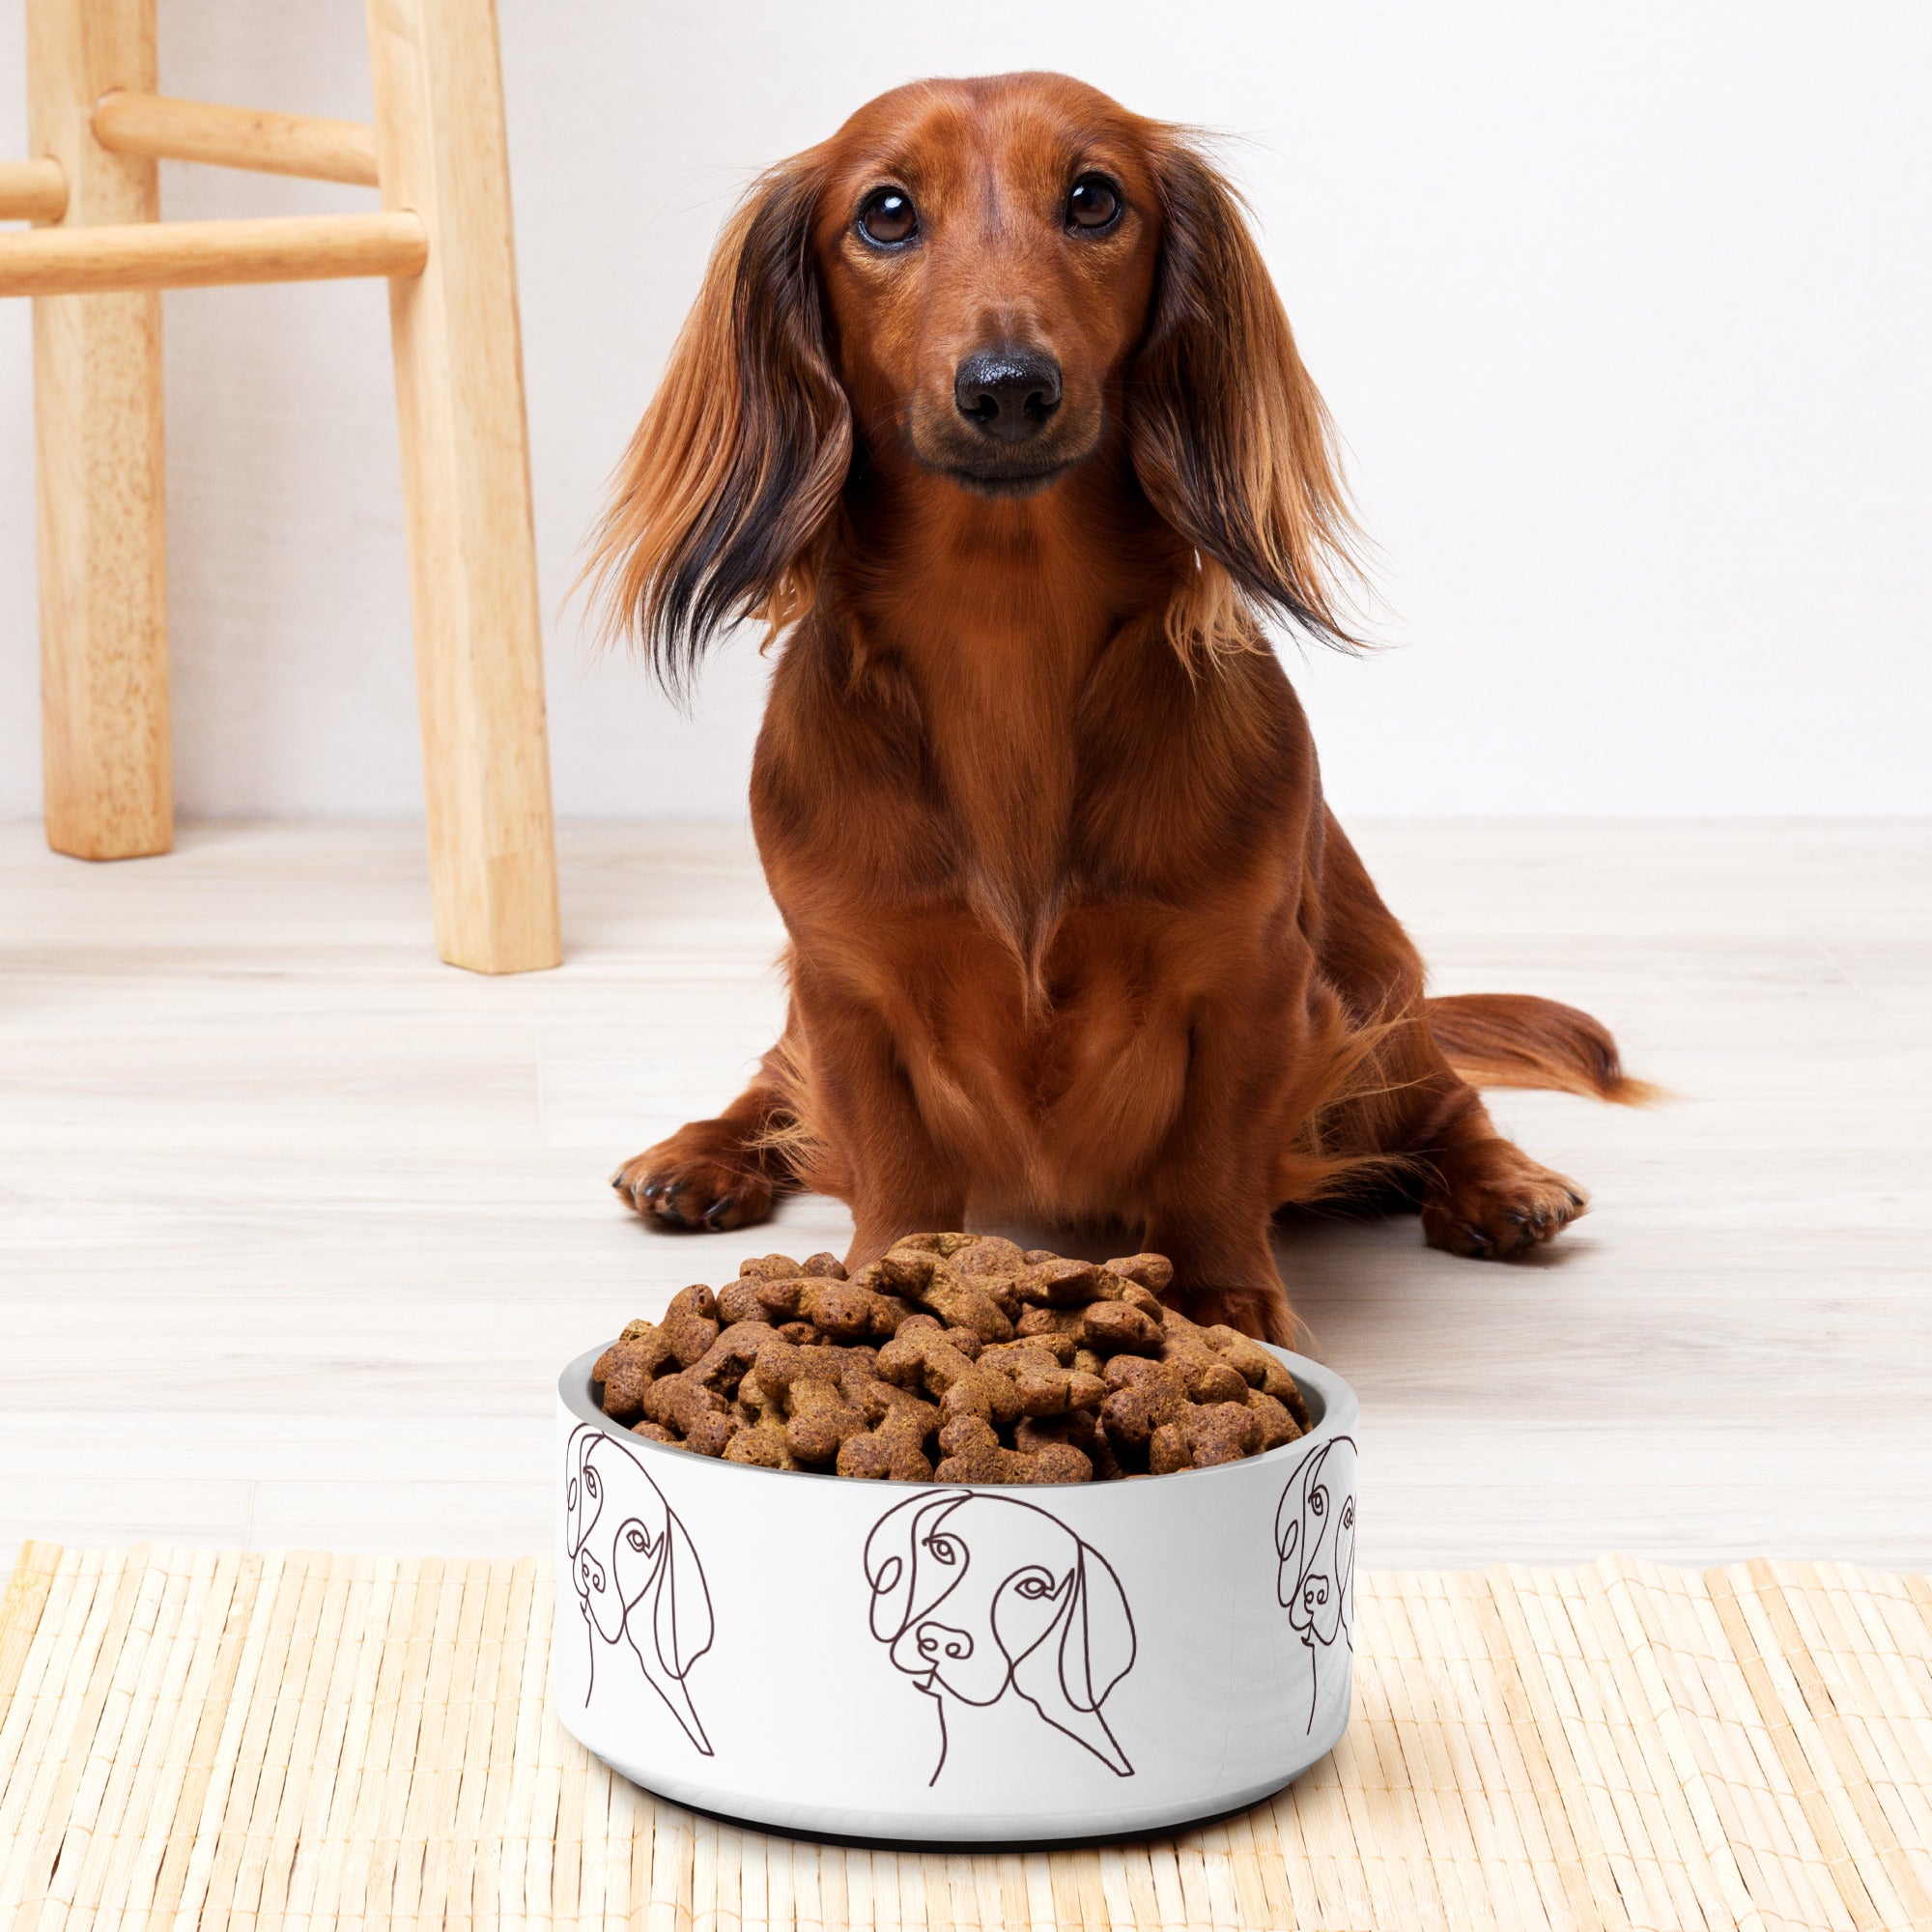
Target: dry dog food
x,y
955,1356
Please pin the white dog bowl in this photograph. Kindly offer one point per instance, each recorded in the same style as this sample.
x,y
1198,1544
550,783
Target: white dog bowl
x,y
928,1662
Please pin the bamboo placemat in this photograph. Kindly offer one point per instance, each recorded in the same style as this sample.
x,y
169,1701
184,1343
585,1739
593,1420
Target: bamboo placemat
x,y
193,1738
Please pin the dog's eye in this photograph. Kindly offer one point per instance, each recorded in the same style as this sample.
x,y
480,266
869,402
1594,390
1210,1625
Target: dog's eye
x,y
1093,204
889,217
942,1549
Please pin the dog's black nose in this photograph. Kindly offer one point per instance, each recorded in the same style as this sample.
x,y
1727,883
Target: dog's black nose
x,y
1008,393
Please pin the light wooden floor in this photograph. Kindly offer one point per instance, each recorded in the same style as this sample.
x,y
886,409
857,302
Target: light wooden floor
x,y
297,1225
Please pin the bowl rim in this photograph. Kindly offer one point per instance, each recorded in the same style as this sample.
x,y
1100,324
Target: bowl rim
x,y
1340,1407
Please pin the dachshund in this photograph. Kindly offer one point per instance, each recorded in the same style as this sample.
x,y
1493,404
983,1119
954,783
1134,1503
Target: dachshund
x,y
989,412
978,1595
637,1579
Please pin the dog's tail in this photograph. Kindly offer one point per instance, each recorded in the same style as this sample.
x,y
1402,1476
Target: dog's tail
x,y
1515,1039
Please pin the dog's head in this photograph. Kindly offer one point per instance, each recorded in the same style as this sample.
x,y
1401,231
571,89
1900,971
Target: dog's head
x,y
977,1594
987,287
625,1545
1315,1539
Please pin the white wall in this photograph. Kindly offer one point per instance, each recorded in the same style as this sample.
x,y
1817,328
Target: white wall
x,y
1622,311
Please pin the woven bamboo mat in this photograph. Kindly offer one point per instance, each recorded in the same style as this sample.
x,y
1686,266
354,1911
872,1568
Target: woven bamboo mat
x,y
191,1738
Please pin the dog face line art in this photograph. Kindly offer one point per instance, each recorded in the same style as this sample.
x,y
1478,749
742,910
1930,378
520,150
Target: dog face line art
x,y
637,1579
975,1596
1315,1544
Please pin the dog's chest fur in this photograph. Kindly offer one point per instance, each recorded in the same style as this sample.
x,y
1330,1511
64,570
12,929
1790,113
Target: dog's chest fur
x,y
1023,873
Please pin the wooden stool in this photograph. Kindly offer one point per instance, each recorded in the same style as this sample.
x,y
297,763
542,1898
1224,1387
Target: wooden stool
x,y
443,238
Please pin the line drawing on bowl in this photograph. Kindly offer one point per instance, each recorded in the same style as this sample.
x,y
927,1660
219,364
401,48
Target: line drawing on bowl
x,y
637,1579
1314,1542
976,1595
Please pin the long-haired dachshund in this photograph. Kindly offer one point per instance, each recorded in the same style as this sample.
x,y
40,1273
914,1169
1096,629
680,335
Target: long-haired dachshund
x,y
990,410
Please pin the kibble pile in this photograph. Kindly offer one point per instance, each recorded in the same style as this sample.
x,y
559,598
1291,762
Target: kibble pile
x,y
954,1355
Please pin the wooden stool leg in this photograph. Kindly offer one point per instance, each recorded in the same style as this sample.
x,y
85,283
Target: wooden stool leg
x,y
465,480
98,434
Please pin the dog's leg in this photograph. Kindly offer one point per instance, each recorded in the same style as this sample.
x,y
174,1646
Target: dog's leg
x,y
1208,1200
1223,1272
881,1158
719,1173
1482,1196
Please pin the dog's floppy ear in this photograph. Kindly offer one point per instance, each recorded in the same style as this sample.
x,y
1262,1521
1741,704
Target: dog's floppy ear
x,y
1067,1676
682,1620
1290,1528
583,1498
1230,437
719,503
682,1624
1344,1566
1098,1648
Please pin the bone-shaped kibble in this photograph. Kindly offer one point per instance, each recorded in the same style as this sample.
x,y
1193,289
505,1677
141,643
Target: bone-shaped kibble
x,y
1257,1368
964,1340
844,1311
922,1359
818,1418
973,1454
988,1264
1212,1380
1146,1395
917,1276
1066,1284
1036,1324
1207,1375
942,1245
1208,1434
1058,1342
894,1448
725,1364
739,1300
769,1267
762,1444
990,1256
1045,1386
1277,1420
1078,1428
1117,1328
689,1323
1153,1272
627,1368
700,1415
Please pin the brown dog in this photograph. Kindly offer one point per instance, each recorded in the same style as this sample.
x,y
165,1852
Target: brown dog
x,y
989,408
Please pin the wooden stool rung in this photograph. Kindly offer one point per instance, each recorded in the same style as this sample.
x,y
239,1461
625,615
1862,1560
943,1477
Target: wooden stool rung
x,y
127,121
32,190
200,254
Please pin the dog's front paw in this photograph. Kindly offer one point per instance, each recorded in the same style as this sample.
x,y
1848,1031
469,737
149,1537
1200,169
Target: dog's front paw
x,y
1261,1312
692,1180
1491,1201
